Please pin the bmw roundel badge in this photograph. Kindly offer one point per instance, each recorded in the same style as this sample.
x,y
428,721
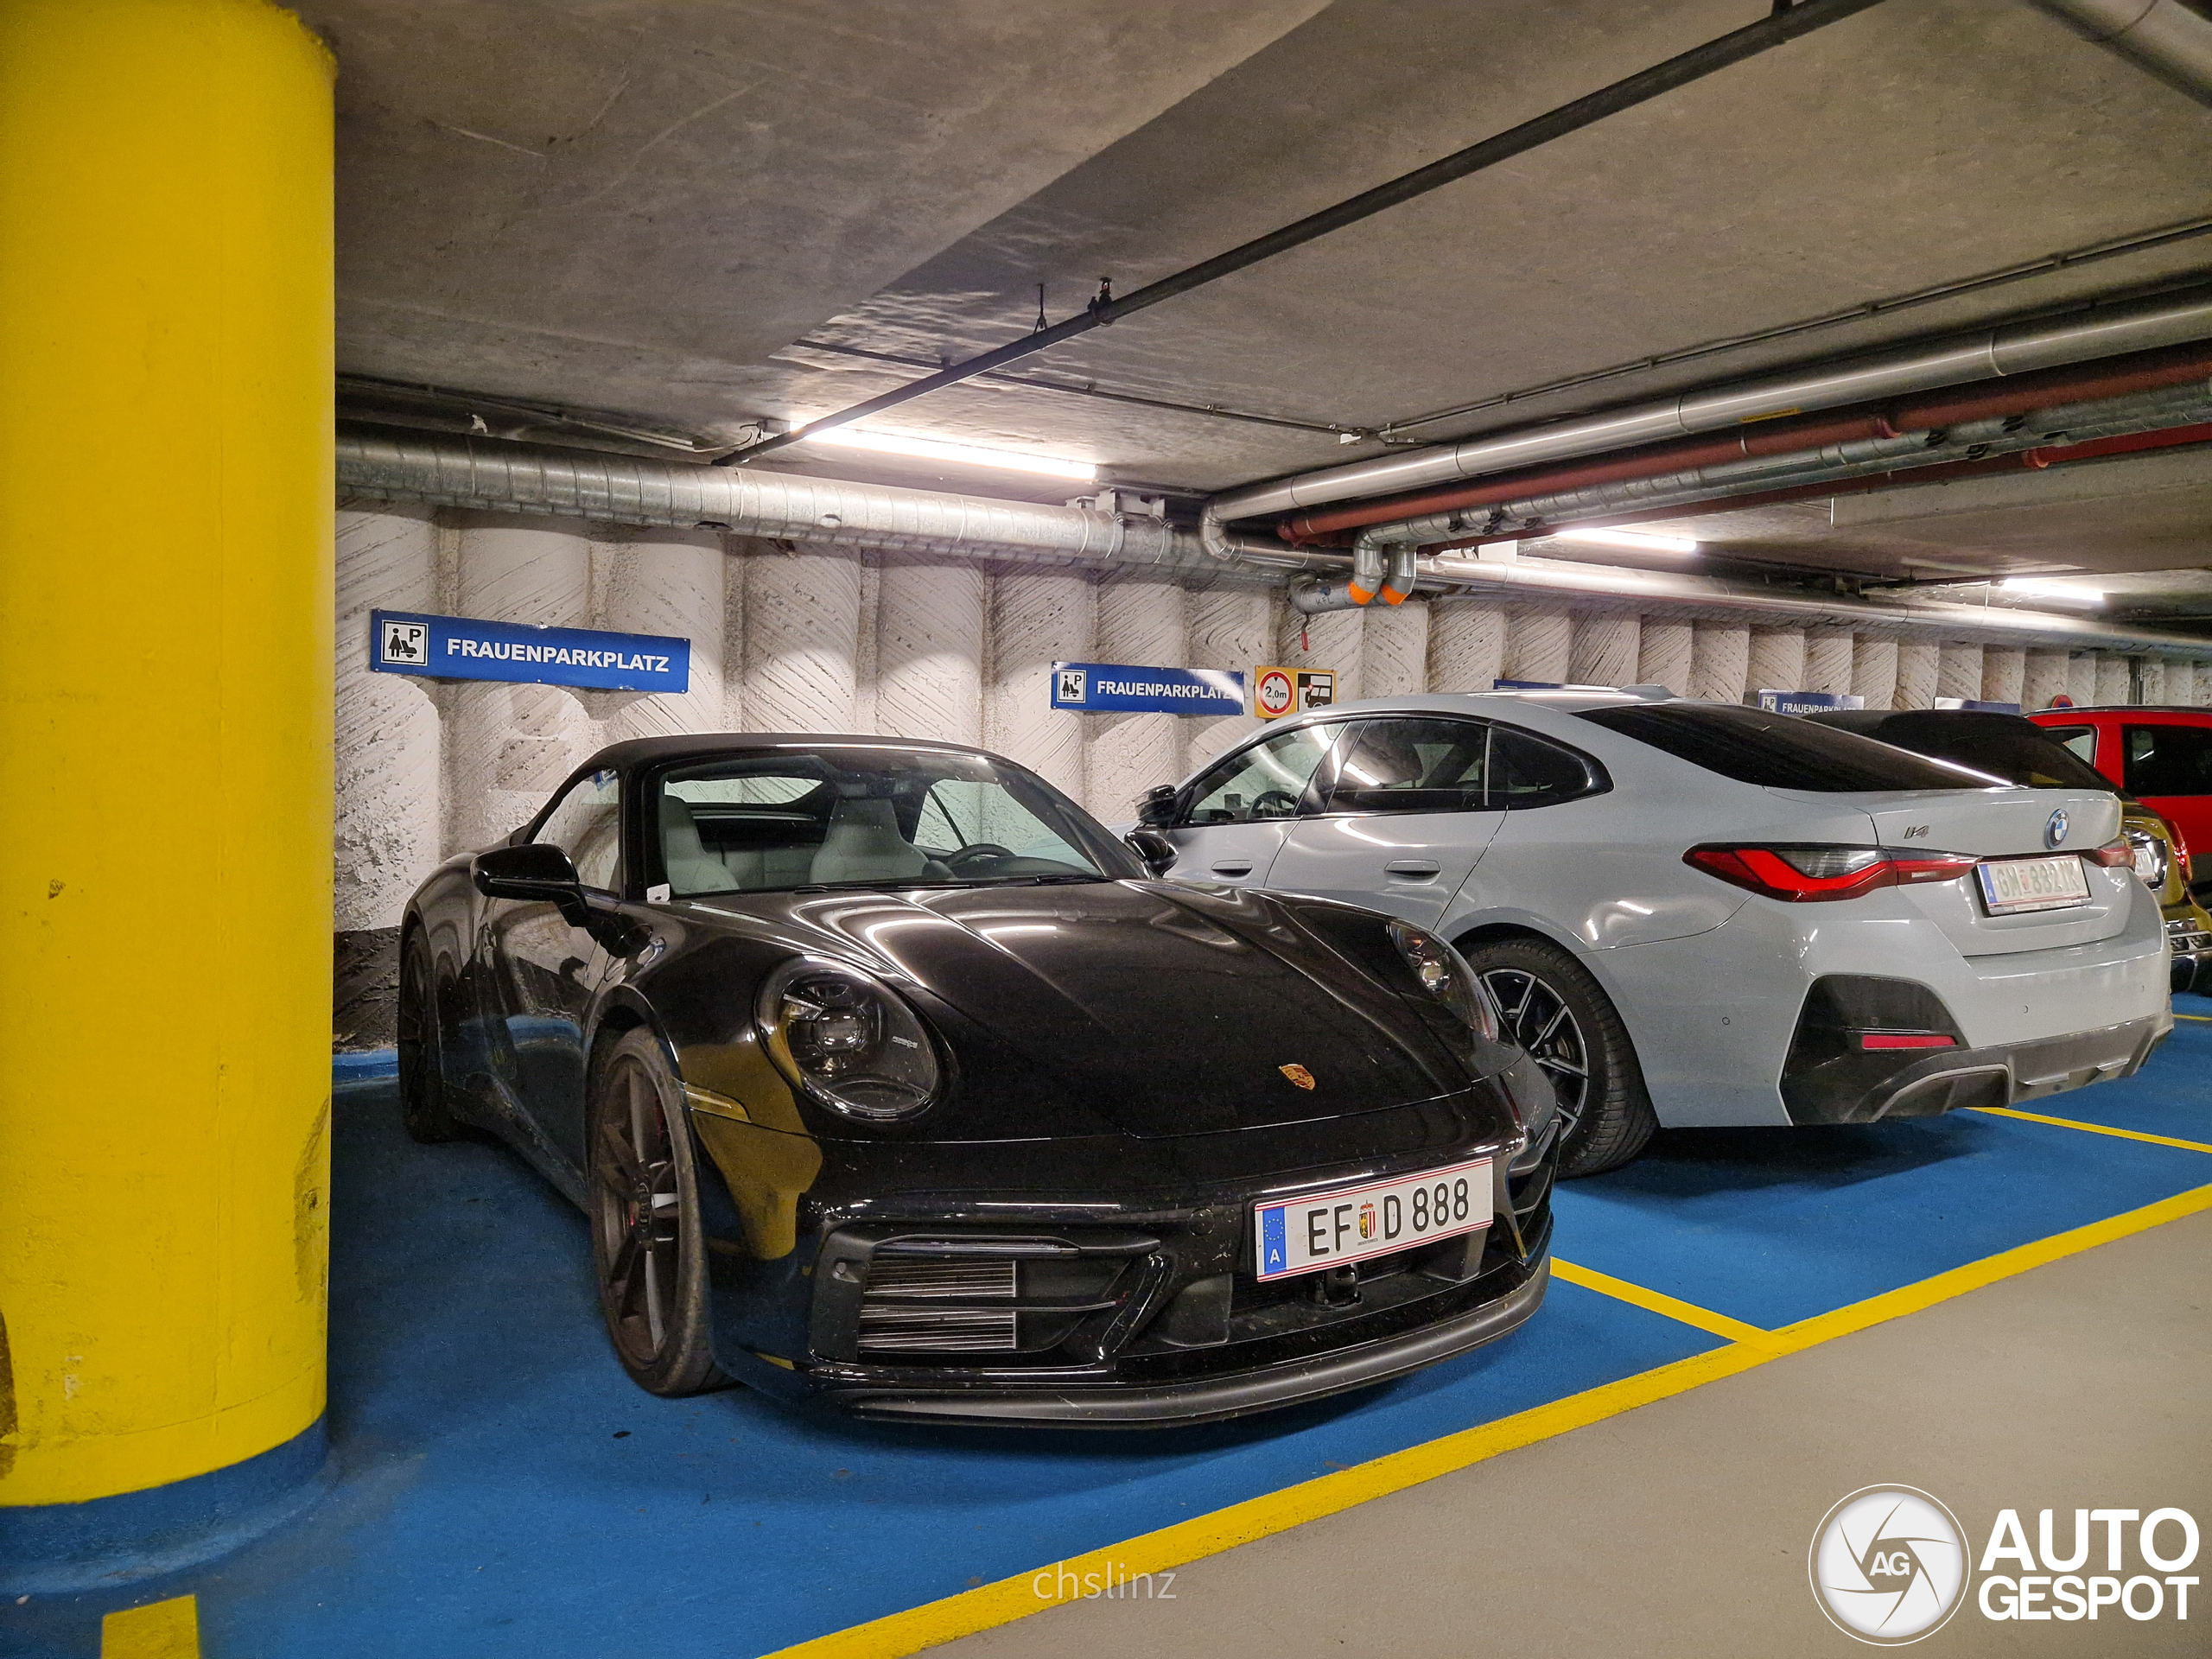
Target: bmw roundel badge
x,y
2054,833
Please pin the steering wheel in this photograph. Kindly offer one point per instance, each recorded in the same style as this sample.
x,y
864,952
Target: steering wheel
x,y
1274,798
981,851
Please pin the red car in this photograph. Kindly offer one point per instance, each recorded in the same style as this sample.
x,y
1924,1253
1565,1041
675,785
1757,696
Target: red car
x,y
2163,757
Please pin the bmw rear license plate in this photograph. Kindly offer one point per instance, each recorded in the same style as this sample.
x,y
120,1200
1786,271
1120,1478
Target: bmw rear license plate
x,y
1332,1229
2014,884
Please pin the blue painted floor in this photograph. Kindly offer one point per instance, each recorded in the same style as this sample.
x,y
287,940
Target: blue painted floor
x,y
504,1490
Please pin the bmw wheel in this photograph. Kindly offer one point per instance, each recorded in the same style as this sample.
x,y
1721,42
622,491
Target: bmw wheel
x,y
1553,1009
423,1107
647,1243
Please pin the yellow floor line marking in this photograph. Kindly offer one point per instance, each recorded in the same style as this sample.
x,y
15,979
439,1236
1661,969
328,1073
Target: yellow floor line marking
x,y
1910,1299
898,1634
2201,1019
2094,1129
160,1629
1659,1302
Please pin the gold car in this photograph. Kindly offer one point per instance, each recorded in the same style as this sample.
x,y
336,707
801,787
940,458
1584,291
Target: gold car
x,y
2164,864
2017,750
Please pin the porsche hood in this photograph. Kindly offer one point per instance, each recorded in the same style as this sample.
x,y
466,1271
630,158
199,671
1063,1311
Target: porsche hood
x,y
1161,1010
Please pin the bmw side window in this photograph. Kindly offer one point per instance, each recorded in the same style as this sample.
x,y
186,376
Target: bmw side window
x,y
2083,739
1404,764
586,825
1525,771
1268,781
2168,760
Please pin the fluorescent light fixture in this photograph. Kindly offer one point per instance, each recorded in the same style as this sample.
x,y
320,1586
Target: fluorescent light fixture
x,y
1637,539
2065,593
961,454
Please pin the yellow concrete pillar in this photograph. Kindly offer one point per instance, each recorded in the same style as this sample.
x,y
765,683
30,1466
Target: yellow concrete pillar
x,y
165,604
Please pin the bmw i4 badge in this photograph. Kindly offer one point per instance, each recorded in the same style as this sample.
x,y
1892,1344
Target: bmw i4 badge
x,y
1297,1074
2054,833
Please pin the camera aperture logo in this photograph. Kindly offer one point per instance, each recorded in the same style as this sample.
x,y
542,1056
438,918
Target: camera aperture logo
x,y
1888,1565
1891,1564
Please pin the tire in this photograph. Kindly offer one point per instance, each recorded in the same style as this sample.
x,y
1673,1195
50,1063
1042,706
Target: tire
x,y
424,1106
648,1249
1558,1012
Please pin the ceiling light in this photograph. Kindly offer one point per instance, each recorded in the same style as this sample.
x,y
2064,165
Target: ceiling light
x,y
2066,593
1629,538
963,454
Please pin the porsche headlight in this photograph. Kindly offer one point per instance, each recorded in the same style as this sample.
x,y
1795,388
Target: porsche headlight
x,y
1445,976
851,1043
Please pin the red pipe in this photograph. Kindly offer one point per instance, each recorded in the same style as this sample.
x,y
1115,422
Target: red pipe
x,y
2055,455
2139,371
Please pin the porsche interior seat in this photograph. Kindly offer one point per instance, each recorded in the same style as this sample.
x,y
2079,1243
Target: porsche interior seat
x,y
863,844
689,867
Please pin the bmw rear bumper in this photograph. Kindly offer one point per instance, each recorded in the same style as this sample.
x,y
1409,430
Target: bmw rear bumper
x,y
1950,1079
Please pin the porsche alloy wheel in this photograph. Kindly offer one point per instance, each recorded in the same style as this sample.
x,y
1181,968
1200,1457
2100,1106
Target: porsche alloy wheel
x,y
422,1105
647,1240
1558,1014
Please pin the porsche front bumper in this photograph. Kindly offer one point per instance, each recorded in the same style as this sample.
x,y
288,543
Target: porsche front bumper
x,y
1214,1398
1051,1304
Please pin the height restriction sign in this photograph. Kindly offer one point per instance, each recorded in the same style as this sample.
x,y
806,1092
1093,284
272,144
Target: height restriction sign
x,y
1279,691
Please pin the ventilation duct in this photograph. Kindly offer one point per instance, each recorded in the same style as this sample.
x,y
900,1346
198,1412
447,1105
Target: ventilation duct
x,y
2161,37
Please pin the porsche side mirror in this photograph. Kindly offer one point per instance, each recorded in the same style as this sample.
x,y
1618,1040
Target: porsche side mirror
x,y
534,872
1157,809
1154,848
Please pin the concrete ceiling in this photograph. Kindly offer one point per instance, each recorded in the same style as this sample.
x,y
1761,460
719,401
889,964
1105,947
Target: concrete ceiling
x,y
645,206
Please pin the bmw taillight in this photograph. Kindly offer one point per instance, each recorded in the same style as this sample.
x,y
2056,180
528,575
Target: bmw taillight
x,y
2114,855
1800,873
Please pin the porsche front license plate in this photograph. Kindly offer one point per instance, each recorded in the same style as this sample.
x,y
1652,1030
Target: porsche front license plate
x,y
1329,1230
2014,884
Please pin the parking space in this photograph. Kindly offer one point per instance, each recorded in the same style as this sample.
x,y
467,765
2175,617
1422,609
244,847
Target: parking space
x,y
501,1488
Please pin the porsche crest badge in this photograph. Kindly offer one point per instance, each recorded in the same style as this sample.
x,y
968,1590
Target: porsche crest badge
x,y
1297,1074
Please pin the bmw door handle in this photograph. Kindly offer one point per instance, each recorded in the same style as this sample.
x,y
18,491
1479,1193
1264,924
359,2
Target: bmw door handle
x,y
1244,868
1414,869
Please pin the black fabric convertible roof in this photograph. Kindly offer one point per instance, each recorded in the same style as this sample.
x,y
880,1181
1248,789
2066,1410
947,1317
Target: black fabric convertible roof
x,y
637,751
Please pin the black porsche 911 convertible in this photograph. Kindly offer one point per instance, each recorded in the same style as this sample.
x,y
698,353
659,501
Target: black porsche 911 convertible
x,y
889,1076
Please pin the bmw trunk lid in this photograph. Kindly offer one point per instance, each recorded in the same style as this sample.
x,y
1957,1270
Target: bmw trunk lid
x,y
2003,824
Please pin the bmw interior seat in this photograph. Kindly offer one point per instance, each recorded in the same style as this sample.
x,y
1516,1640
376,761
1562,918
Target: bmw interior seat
x,y
691,866
863,844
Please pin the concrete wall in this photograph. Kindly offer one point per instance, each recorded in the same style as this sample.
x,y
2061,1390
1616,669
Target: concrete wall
x,y
835,639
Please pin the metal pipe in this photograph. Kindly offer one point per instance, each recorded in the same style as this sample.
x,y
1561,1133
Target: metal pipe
x,y
1783,25
508,478
2162,37
2143,371
1322,595
1974,440
1718,594
2103,331
1403,576
1366,573
2035,459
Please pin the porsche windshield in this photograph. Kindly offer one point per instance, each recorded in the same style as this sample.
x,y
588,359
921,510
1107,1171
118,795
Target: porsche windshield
x,y
775,820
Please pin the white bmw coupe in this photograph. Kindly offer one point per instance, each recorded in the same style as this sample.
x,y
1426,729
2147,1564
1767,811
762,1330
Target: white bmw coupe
x,y
1695,913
